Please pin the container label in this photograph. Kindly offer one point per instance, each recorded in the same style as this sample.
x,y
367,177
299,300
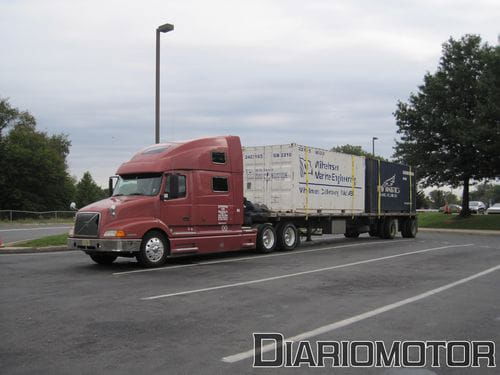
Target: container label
x,y
388,190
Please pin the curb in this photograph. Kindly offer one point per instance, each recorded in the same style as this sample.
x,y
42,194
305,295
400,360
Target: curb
x,y
33,250
483,232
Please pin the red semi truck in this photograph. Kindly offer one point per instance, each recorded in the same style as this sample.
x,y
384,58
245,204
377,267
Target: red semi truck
x,y
190,197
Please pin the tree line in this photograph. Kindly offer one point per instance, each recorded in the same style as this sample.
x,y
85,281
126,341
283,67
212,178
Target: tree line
x,y
34,172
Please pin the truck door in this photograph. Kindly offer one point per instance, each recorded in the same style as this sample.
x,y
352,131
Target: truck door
x,y
176,205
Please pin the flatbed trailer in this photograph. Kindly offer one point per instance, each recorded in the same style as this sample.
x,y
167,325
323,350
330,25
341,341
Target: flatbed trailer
x,y
211,195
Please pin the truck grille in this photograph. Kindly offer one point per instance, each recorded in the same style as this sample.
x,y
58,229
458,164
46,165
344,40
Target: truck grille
x,y
87,224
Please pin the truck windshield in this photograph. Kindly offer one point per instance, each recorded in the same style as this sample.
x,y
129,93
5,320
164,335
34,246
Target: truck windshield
x,y
138,184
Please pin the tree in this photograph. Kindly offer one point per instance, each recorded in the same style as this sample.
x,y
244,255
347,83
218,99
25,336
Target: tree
x,y
422,200
355,150
450,128
437,198
486,193
87,191
33,170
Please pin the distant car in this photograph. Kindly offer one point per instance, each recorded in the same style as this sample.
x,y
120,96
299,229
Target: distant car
x,y
477,207
454,208
495,209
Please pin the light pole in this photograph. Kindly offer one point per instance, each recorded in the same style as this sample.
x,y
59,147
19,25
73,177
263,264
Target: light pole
x,y
161,29
373,146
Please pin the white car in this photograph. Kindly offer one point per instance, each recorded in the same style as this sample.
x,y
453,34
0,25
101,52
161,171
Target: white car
x,y
495,209
477,207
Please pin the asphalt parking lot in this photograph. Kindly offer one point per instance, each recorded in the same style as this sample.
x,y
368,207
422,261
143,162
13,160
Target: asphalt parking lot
x,y
60,313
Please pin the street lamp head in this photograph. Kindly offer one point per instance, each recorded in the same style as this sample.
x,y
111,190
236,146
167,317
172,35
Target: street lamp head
x,y
374,138
165,28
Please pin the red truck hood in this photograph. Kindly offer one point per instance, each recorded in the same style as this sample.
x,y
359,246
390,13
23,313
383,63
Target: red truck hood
x,y
125,207
118,201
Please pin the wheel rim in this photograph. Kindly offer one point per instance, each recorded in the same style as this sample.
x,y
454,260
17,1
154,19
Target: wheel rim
x,y
413,228
268,238
154,249
289,236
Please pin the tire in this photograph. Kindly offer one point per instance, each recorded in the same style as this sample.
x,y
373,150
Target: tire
x,y
410,228
351,233
288,236
373,232
389,229
154,250
105,259
266,238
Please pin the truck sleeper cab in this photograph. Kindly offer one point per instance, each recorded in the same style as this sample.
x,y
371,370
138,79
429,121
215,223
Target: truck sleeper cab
x,y
185,198
170,199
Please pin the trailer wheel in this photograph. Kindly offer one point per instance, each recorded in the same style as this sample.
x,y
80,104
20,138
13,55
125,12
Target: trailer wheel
x,y
288,236
351,233
105,259
373,232
154,250
266,238
410,228
389,229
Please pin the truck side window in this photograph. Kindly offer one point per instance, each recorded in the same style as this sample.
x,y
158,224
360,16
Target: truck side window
x,y
219,157
181,186
219,184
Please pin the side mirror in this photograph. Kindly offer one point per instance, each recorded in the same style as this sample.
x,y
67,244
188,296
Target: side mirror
x,y
73,206
111,184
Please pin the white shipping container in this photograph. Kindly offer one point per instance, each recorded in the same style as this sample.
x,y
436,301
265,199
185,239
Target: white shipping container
x,y
300,179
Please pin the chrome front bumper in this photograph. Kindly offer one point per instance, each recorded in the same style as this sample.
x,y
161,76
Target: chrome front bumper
x,y
98,245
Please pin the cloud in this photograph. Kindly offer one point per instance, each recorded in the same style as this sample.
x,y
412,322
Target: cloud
x,y
321,73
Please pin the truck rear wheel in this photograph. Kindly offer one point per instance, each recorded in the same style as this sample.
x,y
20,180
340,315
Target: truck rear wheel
x,y
288,236
389,229
154,250
266,238
410,228
105,259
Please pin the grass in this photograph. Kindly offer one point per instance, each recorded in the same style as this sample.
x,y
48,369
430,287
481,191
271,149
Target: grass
x,y
55,240
441,220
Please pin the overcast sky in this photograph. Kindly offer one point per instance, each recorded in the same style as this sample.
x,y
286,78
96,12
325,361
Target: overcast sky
x,y
317,72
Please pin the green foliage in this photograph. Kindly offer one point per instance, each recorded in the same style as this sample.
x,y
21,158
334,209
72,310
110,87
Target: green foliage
x,y
449,129
439,198
441,220
54,240
422,200
486,193
355,150
33,164
87,191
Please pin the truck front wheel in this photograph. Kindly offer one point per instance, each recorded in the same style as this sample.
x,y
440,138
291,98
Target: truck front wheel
x,y
288,236
266,238
154,250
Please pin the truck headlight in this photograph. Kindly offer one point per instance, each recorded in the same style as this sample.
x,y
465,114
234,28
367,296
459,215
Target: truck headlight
x,y
114,233
71,232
